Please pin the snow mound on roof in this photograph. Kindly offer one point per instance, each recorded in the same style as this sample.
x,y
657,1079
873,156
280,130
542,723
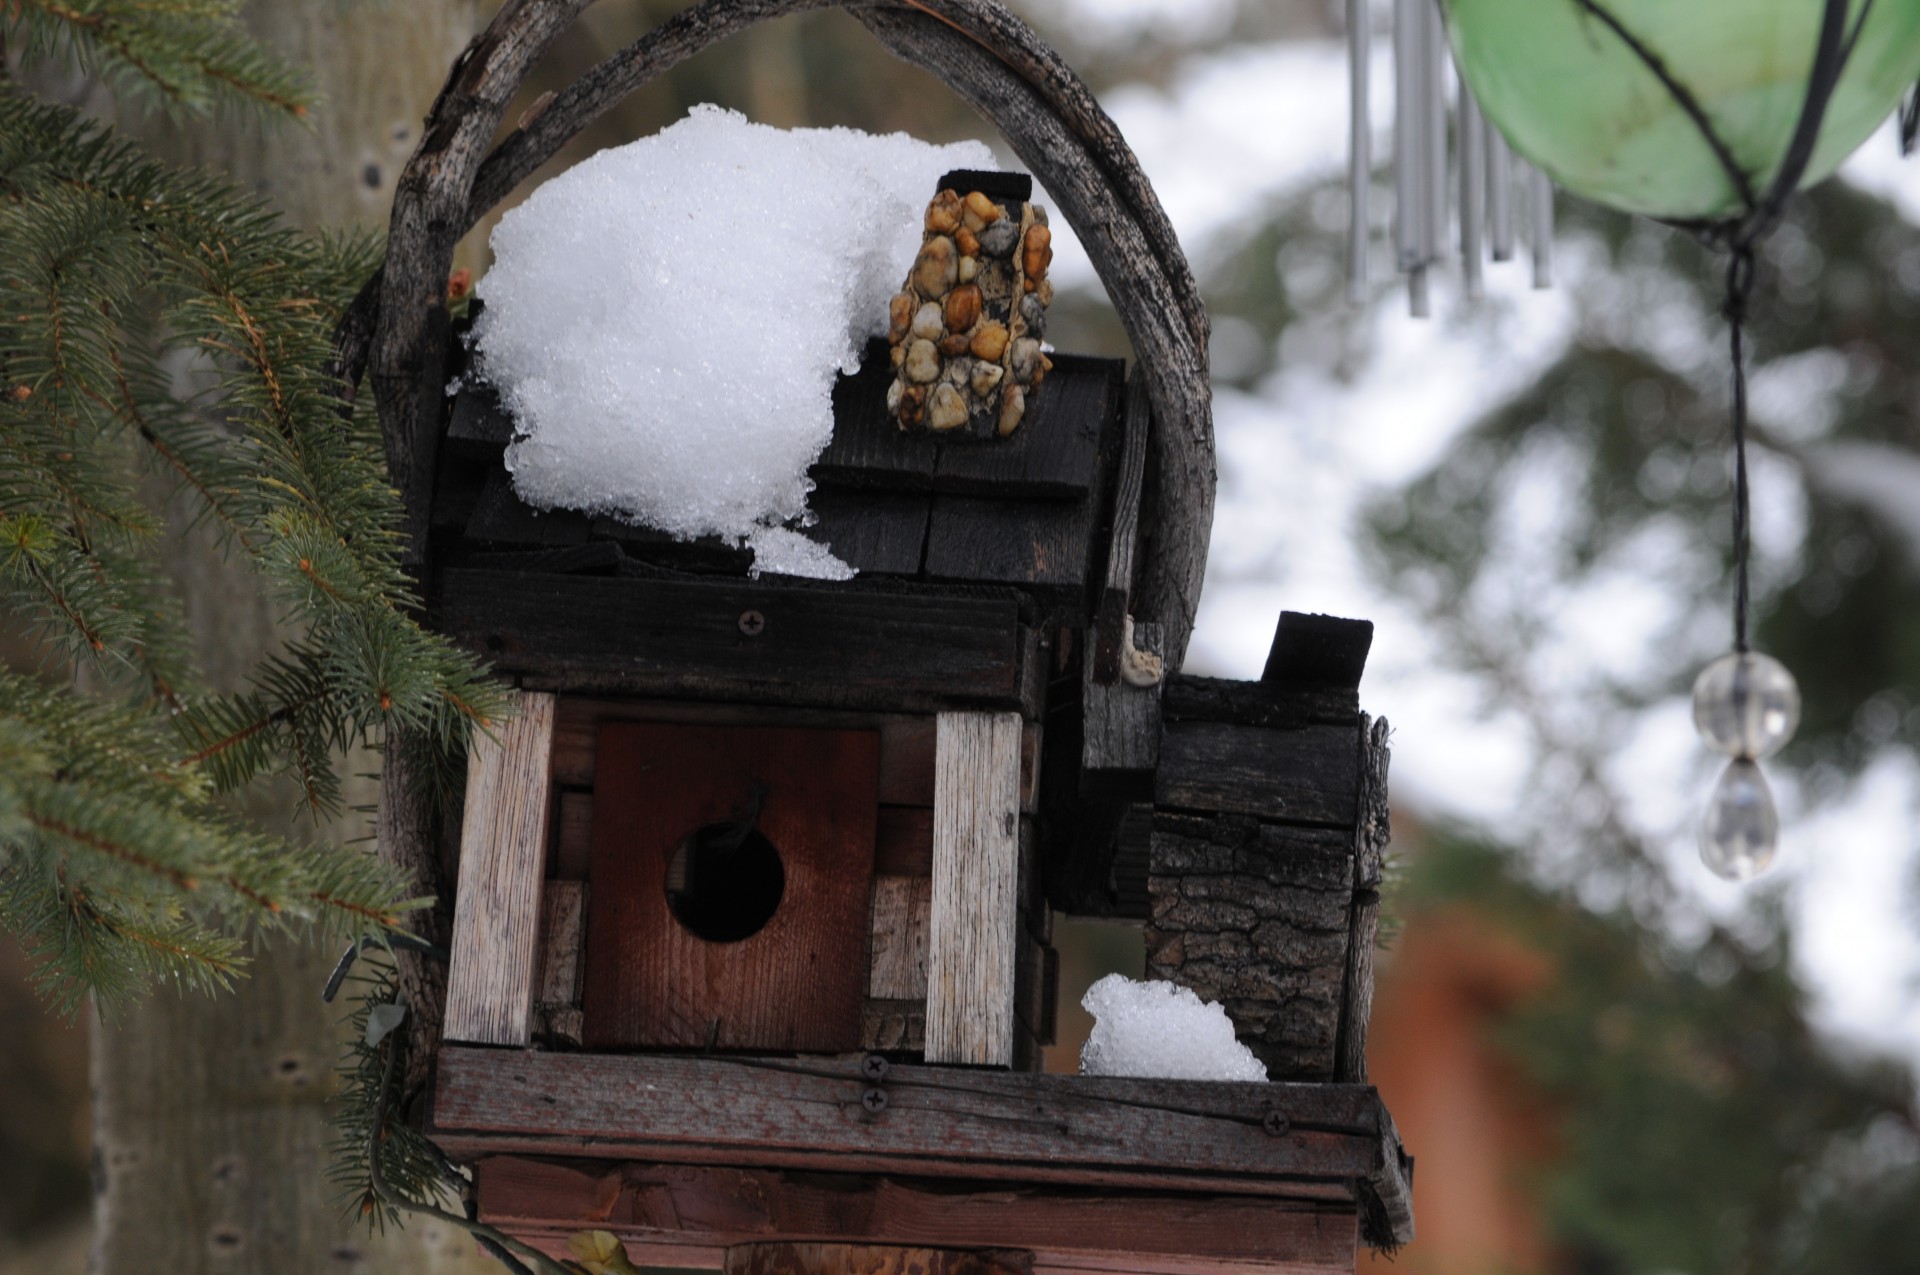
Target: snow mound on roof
x,y
665,320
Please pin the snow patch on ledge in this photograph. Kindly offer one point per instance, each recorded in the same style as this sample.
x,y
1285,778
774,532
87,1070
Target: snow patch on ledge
x,y
1162,1030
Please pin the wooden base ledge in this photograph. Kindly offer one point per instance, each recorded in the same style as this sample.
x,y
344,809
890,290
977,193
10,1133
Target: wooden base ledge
x,y
686,1155
691,1216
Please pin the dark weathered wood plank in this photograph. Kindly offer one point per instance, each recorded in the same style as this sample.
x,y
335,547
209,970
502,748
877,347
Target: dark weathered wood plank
x,y
1120,744
1041,546
874,532
572,849
868,447
479,424
1318,649
501,517
1055,452
660,1206
795,984
1114,600
1279,705
496,915
768,642
1370,842
941,1122
1301,776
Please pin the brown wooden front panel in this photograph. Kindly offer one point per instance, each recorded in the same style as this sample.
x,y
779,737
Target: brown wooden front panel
x,y
797,984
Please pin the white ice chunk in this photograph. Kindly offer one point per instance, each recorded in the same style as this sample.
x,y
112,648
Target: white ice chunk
x,y
1164,1030
665,319
778,551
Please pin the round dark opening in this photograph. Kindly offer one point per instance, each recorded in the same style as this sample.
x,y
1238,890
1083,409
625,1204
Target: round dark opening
x,y
725,884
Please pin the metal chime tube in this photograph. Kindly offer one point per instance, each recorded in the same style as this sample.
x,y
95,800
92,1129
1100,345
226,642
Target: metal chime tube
x,y
1409,184
1434,112
1499,191
1359,146
1473,191
1540,214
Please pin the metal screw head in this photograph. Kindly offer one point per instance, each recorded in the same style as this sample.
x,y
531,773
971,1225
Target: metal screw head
x,y
873,1067
1277,1124
752,623
874,1100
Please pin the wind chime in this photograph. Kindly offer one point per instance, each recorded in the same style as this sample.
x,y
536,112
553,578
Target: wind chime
x,y
1699,115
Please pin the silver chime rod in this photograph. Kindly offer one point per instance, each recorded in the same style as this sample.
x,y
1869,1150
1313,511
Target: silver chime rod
x,y
1359,146
1409,146
1473,191
1499,191
1437,62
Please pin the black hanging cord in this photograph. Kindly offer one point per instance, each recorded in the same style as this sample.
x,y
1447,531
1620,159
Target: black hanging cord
x,y
1740,271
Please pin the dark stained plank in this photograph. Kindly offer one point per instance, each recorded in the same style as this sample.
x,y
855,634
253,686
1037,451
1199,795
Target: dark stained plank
x,y
663,1206
501,517
1370,845
1114,600
1305,776
594,557
1282,705
868,448
1320,649
772,642
1120,747
479,424
1056,451
941,1122
654,547
871,531
1043,546
795,984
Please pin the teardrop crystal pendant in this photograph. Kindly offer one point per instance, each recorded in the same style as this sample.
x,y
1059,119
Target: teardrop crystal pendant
x,y
1741,832
1746,705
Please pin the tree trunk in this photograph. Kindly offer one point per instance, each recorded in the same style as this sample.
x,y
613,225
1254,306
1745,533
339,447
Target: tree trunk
x,y
210,1134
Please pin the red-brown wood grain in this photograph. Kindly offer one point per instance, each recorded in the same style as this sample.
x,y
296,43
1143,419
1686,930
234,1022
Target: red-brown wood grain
x,y
797,983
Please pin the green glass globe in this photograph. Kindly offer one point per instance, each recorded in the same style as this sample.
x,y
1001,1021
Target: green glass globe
x,y
1572,97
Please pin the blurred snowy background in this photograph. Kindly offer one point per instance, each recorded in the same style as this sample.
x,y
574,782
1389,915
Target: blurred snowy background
x,y
1527,495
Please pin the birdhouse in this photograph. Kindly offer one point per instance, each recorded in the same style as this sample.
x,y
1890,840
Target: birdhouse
x,y
756,890
752,953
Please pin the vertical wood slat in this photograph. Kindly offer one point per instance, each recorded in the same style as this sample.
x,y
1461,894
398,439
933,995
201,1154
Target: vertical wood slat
x,y
976,859
496,915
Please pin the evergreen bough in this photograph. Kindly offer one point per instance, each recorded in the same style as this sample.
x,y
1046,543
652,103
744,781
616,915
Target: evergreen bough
x,y
156,322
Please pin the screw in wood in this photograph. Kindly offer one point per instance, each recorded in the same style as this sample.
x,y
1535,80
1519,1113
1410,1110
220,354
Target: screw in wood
x,y
874,1100
752,623
1277,1124
873,1067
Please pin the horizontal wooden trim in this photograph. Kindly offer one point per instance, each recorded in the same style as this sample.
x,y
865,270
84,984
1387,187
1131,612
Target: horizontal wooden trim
x,y
1304,776
663,1211
949,1122
736,639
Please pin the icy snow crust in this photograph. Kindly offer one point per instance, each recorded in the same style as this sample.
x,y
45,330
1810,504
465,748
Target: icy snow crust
x,y
665,319
1162,1030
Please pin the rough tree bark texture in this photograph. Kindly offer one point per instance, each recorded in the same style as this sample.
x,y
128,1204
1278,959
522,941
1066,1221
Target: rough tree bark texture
x,y
209,1129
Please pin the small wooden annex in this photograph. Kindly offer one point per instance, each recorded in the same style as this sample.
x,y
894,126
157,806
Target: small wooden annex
x,y
945,752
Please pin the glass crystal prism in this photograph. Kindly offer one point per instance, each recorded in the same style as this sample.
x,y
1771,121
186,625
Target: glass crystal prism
x,y
1746,705
1741,832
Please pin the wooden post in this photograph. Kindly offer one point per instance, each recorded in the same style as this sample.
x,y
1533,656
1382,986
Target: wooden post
x,y
872,1259
976,862
496,915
